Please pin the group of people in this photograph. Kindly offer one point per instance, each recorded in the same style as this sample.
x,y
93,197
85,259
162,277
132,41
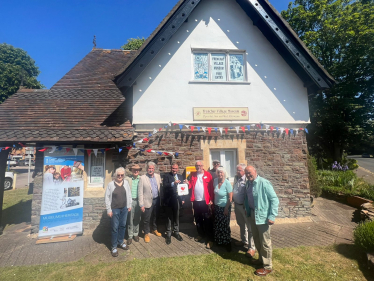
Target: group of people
x,y
130,200
51,176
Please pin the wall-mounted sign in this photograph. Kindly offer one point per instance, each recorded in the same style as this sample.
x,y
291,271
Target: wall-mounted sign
x,y
220,113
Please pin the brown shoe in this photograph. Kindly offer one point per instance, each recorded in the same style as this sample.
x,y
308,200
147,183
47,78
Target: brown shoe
x,y
129,241
263,272
155,232
209,245
136,238
147,239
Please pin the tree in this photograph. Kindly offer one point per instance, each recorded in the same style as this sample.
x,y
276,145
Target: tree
x,y
340,33
133,44
17,69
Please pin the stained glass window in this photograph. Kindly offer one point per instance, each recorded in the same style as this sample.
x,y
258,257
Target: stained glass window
x,y
218,62
201,66
236,67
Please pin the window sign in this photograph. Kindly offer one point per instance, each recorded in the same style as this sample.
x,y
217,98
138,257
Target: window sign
x,y
97,174
96,170
236,67
201,66
218,62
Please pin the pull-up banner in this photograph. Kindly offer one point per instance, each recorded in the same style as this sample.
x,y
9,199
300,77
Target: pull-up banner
x,y
62,197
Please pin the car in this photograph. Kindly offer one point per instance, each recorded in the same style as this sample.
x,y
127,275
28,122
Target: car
x,y
25,162
12,163
8,182
365,155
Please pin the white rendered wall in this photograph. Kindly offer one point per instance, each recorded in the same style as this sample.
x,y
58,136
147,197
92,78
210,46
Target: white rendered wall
x,y
164,92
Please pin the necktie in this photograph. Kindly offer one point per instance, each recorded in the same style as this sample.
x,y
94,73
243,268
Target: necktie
x,y
176,177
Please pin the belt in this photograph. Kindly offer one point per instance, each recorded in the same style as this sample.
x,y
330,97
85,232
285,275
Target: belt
x,y
134,199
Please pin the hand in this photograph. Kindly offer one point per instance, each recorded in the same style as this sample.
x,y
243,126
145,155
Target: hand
x,y
185,181
182,202
270,222
142,209
177,181
110,214
210,203
226,212
129,209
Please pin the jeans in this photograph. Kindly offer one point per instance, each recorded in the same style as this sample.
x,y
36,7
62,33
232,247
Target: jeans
x,y
204,223
151,215
133,219
118,223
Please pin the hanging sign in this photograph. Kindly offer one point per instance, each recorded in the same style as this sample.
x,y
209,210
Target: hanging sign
x,y
220,113
62,198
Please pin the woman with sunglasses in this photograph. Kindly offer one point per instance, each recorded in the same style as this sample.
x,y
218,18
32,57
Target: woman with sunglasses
x,y
118,204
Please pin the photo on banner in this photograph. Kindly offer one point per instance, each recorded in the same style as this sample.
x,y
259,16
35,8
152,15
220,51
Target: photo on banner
x,y
62,198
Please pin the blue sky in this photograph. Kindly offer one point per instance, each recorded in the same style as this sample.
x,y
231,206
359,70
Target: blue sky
x,y
57,34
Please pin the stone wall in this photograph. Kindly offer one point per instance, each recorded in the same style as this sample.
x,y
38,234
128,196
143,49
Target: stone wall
x,y
94,213
36,202
280,159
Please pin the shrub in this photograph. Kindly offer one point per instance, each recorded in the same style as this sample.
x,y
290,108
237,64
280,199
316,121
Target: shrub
x,y
315,188
364,236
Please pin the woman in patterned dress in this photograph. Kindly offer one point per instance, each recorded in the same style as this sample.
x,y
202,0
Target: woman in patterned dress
x,y
222,209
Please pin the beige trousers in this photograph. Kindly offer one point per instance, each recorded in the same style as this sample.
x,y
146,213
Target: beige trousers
x,y
261,236
245,227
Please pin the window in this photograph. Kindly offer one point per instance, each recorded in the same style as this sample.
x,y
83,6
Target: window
x,y
96,170
219,66
227,157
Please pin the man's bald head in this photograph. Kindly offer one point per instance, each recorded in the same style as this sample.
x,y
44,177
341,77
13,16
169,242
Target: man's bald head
x,y
250,173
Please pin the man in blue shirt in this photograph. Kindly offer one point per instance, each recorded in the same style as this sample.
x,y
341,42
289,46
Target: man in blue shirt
x,y
261,204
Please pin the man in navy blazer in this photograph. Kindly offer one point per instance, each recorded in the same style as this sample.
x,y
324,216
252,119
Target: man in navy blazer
x,y
172,202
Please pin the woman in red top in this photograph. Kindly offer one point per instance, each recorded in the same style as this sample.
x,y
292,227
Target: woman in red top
x,y
202,196
66,173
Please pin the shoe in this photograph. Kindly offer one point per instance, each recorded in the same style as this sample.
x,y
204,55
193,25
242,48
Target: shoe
x,y
147,239
155,232
114,252
209,245
178,237
168,240
198,238
136,238
129,241
250,253
239,243
228,247
263,272
123,246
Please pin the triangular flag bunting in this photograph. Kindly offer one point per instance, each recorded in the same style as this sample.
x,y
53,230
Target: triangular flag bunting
x,y
6,148
216,129
220,130
243,129
21,144
89,151
281,129
160,129
95,151
306,130
53,149
102,151
271,128
43,149
180,126
209,130
267,127
192,127
291,131
68,149
237,129
198,129
106,149
226,130
204,128
119,149
159,153
75,151
169,124
286,131
154,131
149,150
187,126
249,127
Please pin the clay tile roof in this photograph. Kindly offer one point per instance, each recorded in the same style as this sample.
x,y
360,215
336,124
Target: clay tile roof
x,y
84,105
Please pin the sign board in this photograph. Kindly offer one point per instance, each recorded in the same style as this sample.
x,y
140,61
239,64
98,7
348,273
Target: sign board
x,y
97,174
220,113
62,198
182,189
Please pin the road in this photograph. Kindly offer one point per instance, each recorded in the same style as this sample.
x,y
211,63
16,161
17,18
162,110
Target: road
x,y
22,173
366,169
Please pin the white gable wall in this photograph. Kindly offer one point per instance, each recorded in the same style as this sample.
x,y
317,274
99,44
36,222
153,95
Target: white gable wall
x,y
164,91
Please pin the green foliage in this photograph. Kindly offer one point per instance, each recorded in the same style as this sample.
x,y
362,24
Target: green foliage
x,y
315,188
16,68
344,183
364,236
340,33
133,44
326,163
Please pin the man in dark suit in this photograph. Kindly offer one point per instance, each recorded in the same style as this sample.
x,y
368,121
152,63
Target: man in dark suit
x,y
172,202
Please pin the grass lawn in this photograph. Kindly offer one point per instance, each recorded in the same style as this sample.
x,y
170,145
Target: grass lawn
x,y
339,262
16,207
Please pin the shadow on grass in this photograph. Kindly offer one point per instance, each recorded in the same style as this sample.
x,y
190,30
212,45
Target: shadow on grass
x,y
353,252
17,213
102,233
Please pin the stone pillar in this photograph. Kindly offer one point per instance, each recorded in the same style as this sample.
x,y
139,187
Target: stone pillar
x,y
3,160
37,191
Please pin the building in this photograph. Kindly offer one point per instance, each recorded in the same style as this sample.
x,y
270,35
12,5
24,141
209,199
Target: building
x,y
216,79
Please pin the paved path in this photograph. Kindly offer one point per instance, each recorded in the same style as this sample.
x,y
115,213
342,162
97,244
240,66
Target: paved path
x,y
332,223
366,163
22,175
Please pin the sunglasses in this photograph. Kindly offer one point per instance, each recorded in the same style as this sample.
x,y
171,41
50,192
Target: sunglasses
x,y
120,176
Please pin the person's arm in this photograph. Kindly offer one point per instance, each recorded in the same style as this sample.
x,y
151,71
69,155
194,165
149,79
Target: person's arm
x,y
229,199
273,202
128,195
211,189
140,194
108,202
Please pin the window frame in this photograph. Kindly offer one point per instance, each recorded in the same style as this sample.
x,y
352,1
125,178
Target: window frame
x,y
222,158
227,53
89,184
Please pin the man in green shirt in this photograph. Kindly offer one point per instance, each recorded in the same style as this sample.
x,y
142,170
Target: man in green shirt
x,y
133,219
